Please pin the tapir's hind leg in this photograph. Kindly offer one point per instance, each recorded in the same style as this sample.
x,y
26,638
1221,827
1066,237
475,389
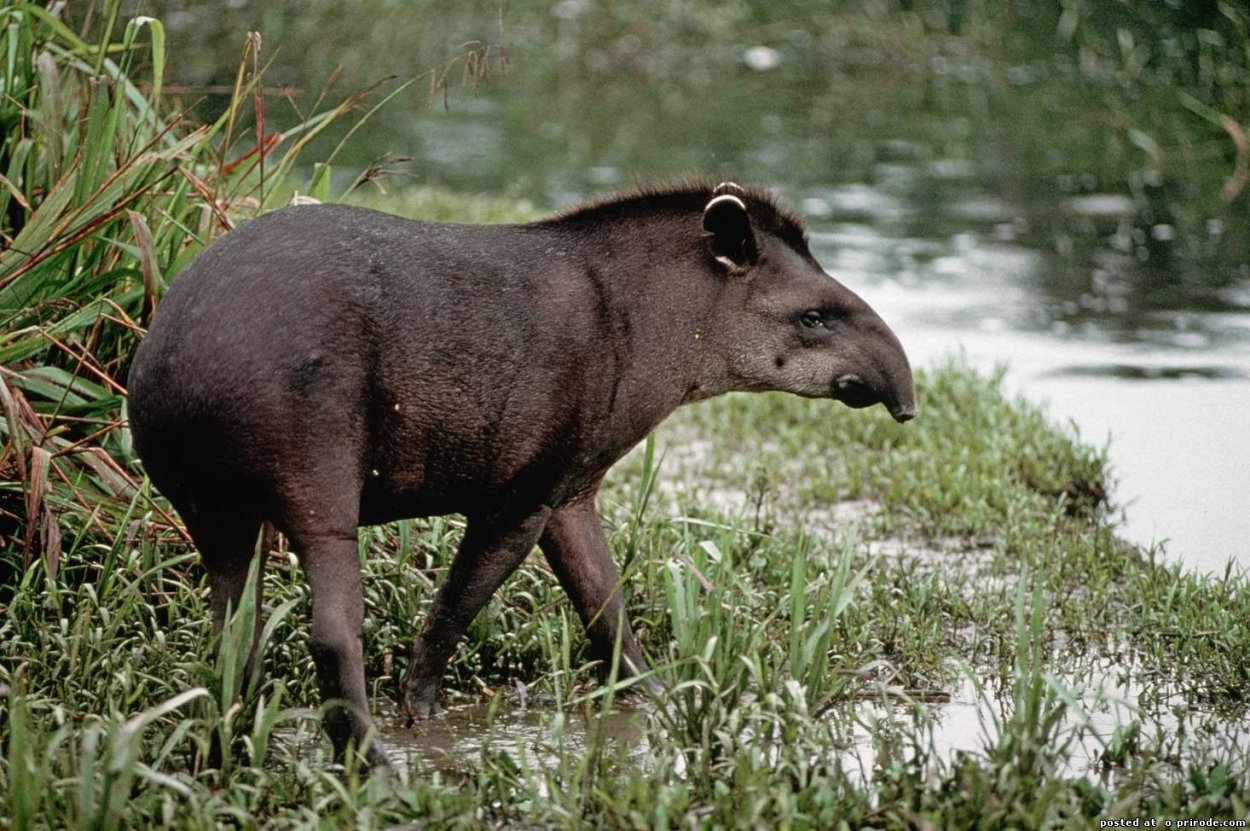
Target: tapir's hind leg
x,y
321,523
332,565
226,539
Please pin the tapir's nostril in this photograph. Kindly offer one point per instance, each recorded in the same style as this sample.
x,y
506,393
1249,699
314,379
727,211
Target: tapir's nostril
x,y
902,414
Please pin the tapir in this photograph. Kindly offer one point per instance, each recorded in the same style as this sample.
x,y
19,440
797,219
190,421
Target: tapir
x,y
324,367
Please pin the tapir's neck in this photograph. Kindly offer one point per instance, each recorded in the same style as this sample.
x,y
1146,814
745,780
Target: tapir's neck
x,y
660,298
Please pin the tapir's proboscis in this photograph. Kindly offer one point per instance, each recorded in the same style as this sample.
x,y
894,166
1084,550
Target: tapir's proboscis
x,y
325,367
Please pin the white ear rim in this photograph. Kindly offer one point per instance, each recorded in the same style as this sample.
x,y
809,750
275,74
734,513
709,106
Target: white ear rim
x,y
725,197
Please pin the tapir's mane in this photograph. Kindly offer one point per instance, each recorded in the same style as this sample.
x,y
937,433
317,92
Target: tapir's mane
x,y
687,196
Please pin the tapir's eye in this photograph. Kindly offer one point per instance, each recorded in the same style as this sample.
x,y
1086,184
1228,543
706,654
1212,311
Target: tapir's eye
x,y
812,318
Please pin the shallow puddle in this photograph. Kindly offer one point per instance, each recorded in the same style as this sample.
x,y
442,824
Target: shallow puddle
x,y
1098,702
533,737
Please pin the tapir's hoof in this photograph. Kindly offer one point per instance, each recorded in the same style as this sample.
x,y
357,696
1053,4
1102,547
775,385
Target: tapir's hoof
x,y
379,761
648,686
420,708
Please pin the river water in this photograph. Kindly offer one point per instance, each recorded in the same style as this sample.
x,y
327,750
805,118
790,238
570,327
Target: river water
x,y
985,209
1169,394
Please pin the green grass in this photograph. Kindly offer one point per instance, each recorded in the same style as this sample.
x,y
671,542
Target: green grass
x,y
811,584
778,641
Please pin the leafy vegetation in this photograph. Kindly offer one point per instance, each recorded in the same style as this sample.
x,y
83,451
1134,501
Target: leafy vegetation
x,y
105,195
810,655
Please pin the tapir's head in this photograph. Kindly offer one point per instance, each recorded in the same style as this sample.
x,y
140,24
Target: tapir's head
x,y
790,326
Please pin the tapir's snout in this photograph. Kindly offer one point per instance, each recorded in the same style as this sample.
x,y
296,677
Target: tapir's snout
x,y
904,412
882,373
899,398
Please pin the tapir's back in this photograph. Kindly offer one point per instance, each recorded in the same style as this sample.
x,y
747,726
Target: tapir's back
x,y
403,343
302,279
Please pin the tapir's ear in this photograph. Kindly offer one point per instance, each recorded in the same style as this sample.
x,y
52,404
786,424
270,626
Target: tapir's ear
x,y
727,227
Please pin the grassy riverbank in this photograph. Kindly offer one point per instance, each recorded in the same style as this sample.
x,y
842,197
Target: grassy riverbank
x,y
820,590
856,622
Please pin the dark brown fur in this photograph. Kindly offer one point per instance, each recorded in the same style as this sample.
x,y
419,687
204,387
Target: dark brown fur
x,y
327,367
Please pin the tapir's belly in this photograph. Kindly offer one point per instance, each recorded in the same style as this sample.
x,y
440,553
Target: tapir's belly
x,y
377,507
510,465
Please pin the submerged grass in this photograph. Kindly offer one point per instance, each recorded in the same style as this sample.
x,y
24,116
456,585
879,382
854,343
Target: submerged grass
x,y
812,585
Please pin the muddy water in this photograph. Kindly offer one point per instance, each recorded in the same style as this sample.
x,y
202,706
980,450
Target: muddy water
x,y
533,736
535,739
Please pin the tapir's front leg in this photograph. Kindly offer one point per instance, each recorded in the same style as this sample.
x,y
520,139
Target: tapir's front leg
x,y
575,546
491,550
